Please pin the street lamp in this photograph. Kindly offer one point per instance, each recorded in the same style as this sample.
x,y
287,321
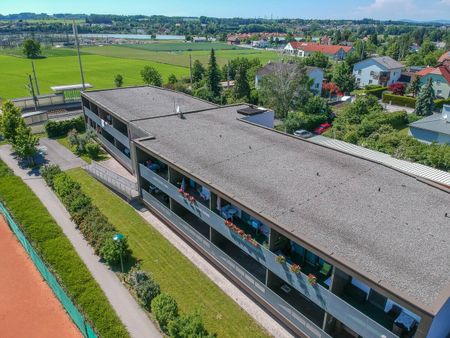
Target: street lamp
x,y
119,238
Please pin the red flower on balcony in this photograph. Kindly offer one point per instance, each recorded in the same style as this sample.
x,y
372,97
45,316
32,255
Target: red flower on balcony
x,y
181,191
186,195
312,279
295,268
255,243
191,199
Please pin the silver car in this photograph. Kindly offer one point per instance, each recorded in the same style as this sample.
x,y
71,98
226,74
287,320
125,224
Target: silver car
x,y
303,133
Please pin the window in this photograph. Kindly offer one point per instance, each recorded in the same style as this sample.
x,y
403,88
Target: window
x,y
372,73
359,71
317,85
358,80
370,81
439,92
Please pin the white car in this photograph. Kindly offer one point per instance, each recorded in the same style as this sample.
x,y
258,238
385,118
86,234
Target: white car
x,y
303,133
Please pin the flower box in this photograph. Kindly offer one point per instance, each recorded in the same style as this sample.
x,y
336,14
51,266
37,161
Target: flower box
x,y
281,259
181,191
295,268
312,279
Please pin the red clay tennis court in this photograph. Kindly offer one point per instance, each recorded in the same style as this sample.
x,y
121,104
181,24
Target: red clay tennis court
x,y
28,307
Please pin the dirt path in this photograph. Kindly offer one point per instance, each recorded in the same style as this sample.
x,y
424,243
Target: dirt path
x,y
28,307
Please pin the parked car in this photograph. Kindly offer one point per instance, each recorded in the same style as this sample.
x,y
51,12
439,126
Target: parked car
x,y
322,128
303,133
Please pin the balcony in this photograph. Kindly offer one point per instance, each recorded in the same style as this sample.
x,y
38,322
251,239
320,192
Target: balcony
x,y
119,136
229,264
317,293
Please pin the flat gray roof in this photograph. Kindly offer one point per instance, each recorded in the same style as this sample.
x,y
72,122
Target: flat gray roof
x,y
144,102
434,123
388,225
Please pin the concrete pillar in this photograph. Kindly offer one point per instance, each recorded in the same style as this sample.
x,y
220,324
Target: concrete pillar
x,y
424,327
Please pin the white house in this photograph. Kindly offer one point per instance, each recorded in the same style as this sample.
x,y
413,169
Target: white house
x,y
315,73
382,70
304,49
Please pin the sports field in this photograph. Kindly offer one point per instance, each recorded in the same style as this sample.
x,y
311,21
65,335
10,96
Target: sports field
x,y
28,308
101,64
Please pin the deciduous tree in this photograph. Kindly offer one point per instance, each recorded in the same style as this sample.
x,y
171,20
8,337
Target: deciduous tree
x,y
151,76
31,48
118,80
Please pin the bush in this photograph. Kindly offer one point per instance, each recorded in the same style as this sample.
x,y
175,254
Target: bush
x,y
404,101
377,91
49,172
93,150
298,120
111,250
61,128
58,253
90,221
438,104
146,291
165,309
188,326
397,88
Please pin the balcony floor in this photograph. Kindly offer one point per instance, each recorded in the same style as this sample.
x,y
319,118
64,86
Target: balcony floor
x,y
301,304
247,262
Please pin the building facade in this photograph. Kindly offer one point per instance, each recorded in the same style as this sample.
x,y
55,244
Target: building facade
x,y
294,224
440,76
382,71
305,49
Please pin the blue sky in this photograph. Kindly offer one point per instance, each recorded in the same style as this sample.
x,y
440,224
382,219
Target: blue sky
x,y
335,9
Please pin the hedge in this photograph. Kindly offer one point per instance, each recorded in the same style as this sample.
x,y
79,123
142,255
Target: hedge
x,y
61,128
94,226
61,258
378,92
410,102
404,101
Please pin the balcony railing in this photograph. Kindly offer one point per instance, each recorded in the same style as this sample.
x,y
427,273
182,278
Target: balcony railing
x,y
111,148
295,317
108,128
328,301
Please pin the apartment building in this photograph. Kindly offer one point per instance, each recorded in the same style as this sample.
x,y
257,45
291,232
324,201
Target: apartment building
x,y
330,244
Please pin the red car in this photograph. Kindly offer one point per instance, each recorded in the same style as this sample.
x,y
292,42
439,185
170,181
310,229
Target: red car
x,y
322,128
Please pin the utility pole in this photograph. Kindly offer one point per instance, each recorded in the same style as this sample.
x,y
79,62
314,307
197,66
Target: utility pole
x,y
228,75
35,78
31,89
190,68
75,32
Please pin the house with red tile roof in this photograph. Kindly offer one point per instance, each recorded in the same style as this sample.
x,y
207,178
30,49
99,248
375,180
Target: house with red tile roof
x,y
304,49
440,76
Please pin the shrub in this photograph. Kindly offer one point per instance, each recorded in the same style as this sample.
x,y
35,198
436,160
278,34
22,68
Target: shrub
x,y
49,172
377,91
93,150
298,120
404,101
61,128
111,251
165,309
146,291
438,104
136,277
188,326
397,88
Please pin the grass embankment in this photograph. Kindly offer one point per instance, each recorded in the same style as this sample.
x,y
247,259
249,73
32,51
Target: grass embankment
x,y
180,57
175,273
57,251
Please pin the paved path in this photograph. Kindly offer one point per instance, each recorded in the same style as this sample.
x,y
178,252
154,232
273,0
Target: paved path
x,y
60,155
129,311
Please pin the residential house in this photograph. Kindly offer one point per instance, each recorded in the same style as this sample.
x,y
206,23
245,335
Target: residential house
x,y
444,57
350,262
381,70
262,43
441,79
433,128
304,49
315,73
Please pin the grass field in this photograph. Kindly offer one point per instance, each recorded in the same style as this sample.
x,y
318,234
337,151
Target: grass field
x,y
179,58
175,273
99,71
168,46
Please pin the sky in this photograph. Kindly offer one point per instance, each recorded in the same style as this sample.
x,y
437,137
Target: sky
x,y
307,9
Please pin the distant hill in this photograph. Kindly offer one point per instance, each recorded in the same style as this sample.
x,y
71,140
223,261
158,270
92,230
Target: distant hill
x,y
41,16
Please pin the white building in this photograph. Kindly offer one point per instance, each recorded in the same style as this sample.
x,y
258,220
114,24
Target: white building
x,y
382,70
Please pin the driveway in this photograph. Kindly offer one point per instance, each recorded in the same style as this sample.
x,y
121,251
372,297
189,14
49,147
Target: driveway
x,y
393,108
60,155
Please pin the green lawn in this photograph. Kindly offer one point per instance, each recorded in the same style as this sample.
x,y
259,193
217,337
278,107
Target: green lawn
x,y
65,142
180,57
168,46
99,72
175,273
